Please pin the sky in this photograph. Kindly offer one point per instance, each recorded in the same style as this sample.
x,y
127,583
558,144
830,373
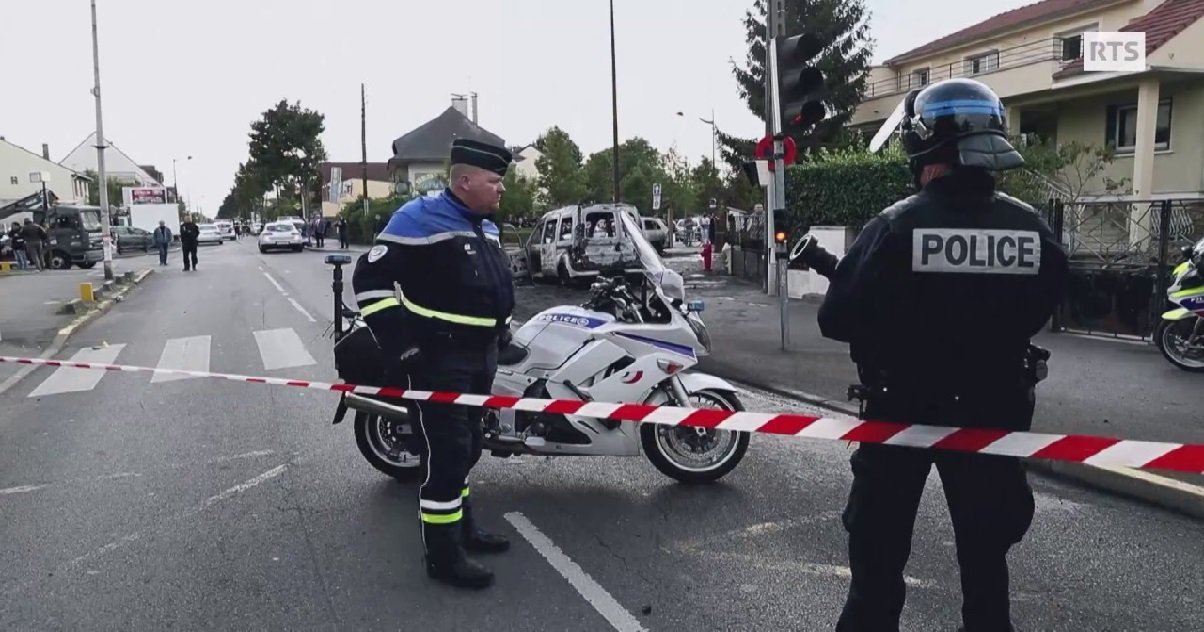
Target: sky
x,y
187,78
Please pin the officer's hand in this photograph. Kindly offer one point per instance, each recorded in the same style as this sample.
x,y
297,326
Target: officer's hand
x,y
399,370
505,336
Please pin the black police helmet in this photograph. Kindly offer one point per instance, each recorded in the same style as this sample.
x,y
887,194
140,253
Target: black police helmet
x,y
961,122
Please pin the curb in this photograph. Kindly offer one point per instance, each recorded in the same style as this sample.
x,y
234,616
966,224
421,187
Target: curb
x,y
60,339
1153,489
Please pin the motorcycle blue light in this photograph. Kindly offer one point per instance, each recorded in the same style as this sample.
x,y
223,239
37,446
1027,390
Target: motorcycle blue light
x,y
696,305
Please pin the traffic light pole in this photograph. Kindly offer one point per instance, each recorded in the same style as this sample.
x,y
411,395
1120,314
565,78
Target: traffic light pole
x,y
778,187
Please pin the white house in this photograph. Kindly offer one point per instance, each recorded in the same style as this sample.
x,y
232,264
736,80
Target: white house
x,y
16,165
118,166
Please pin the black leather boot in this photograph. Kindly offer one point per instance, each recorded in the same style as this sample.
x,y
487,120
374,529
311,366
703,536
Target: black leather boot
x,y
446,560
477,540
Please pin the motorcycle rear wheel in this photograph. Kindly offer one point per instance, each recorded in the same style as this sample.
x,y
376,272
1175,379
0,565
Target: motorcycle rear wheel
x,y
667,446
388,451
1170,343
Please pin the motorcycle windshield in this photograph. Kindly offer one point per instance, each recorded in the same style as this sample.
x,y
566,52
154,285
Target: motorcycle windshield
x,y
669,281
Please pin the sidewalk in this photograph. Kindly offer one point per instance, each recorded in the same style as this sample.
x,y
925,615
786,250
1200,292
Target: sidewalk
x,y
29,318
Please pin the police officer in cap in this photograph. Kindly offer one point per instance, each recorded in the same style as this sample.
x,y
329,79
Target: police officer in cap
x,y
443,333
938,298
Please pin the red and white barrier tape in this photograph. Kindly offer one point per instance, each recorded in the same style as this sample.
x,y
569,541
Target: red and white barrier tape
x,y
1087,449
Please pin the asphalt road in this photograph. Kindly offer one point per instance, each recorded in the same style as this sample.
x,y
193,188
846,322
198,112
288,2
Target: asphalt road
x,y
127,504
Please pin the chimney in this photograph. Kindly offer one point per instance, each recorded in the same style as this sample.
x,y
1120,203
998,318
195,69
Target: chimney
x,y
460,102
46,151
474,108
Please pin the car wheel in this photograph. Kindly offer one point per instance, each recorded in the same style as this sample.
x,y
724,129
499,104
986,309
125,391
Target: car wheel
x,y
59,260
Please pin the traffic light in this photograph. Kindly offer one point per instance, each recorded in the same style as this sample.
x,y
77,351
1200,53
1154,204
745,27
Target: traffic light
x,y
781,227
800,84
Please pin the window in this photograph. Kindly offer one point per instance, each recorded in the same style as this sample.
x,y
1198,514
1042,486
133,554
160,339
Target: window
x,y
549,231
1072,47
980,64
566,228
1121,131
919,78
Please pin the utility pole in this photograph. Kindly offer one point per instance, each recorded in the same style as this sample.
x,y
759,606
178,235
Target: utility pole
x,y
364,143
777,256
614,99
105,233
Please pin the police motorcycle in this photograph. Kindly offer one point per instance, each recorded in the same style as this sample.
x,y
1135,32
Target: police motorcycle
x,y
1180,333
628,343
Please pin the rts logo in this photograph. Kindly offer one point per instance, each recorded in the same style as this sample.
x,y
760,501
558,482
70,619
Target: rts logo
x,y
1118,51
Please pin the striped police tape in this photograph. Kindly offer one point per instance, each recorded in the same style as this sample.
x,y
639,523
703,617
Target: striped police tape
x,y
1092,450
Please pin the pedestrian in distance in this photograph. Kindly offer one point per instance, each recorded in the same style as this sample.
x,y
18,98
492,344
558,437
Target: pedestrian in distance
x,y
444,334
190,235
898,299
162,238
341,227
35,239
17,243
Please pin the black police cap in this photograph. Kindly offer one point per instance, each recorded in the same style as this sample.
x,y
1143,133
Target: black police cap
x,y
489,157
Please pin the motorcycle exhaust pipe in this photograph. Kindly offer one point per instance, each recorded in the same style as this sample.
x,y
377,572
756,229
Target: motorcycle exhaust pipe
x,y
375,406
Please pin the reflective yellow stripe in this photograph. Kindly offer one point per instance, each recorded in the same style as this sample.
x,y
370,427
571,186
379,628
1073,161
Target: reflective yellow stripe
x,y
472,321
443,518
1195,291
1180,268
464,492
384,303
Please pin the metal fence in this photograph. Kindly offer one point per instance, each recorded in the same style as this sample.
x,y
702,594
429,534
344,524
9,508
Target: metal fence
x,y
1121,256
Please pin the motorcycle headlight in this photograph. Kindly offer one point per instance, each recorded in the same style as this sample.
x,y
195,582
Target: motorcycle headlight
x,y
700,331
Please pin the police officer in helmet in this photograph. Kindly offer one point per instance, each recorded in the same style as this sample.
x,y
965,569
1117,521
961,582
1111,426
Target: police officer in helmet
x,y
938,298
443,333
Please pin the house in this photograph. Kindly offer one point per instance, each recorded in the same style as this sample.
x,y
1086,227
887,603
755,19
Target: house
x,y
16,166
420,158
526,161
350,185
118,165
1032,57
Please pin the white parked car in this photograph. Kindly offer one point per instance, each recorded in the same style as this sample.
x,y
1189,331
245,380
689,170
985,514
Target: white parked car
x,y
657,233
278,235
210,234
226,229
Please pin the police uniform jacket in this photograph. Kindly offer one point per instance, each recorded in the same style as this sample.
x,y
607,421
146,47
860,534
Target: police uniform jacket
x,y
946,288
453,274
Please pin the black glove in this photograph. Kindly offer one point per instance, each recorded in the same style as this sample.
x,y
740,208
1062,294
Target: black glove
x,y
400,369
807,254
504,338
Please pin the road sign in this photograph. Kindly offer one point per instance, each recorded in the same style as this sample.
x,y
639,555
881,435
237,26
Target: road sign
x,y
764,151
656,196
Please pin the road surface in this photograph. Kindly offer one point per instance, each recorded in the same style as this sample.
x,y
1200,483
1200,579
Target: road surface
x,y
133,503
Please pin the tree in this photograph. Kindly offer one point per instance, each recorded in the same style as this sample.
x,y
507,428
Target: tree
x,y
115,186
639,167
845,64
560,176
708,185
519,199
286,150
678,193
1066,170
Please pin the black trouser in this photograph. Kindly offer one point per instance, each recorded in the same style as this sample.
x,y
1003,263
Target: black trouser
x,y
188,251
343,241
989,500
454,436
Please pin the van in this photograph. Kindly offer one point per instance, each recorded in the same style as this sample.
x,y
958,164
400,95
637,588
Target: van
x,y
574,243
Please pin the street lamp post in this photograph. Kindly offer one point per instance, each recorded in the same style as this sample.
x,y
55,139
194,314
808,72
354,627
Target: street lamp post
x,y
714,133
105,234
175,180
614,99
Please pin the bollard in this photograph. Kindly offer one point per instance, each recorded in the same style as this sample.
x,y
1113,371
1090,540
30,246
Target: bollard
x,y
706,256
86,293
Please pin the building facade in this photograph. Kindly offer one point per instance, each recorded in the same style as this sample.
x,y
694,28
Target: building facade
x,y
16,166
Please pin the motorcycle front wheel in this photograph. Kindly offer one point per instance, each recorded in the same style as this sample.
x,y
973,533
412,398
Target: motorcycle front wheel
x,y
387,446
1172,337
696,455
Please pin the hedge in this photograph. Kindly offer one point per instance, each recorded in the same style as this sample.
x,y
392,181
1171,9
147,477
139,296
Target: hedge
x,y
845,189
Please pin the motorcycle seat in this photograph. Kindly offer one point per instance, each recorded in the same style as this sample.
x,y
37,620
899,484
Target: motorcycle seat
x,y
512,354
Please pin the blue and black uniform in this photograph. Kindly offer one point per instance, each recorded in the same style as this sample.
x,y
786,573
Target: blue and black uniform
x,y
938,298
437,291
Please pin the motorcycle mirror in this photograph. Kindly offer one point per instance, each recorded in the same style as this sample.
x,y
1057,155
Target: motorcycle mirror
x,y
888,127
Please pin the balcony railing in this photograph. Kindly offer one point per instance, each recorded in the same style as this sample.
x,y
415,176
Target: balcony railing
x,y
1051,49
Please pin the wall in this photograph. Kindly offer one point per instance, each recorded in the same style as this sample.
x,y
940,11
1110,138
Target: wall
x,y
15,161
376,190
1185,50
418,170
1177,170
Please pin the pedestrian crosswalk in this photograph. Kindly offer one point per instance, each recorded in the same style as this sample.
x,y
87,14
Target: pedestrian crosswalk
x,y
278,349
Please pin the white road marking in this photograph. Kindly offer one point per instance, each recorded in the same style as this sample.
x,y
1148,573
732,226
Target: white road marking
x,y
72,380
21,489
187,513
301,309
186,354
594,593
282,349
275,283
24,489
